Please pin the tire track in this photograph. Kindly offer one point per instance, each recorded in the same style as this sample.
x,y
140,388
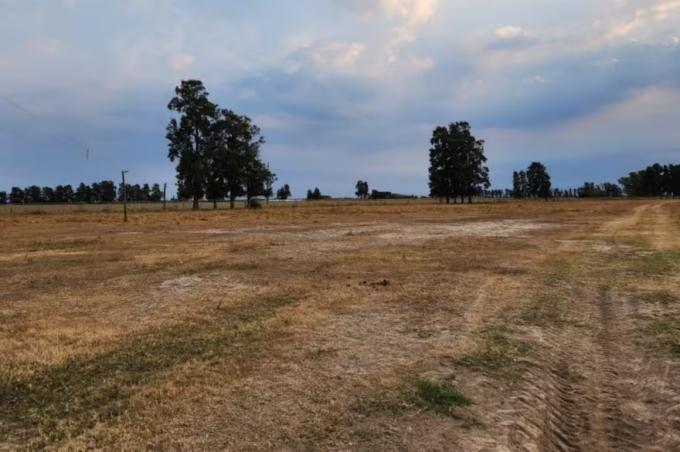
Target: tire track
x,y
588,387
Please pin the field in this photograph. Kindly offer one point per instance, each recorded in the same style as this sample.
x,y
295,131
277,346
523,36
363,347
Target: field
x,y
352,326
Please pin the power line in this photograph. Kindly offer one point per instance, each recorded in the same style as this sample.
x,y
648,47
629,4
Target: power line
x,y
75,140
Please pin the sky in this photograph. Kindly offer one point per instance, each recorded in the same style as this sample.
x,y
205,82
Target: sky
x,y
342,89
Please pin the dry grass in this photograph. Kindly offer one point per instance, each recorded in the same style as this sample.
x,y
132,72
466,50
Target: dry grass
x,y
299,326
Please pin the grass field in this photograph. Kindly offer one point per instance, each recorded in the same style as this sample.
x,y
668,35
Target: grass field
x,y
360,326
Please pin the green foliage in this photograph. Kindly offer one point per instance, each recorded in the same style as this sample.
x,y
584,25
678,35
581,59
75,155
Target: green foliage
x,y
539,185
283,193
532,183
361,189
498,354
655,180
217,150
457,163
442,398
314,195
605,190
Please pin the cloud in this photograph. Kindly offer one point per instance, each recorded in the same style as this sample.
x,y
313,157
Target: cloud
x,y
409,16
181,61
644,17
510,32
331,56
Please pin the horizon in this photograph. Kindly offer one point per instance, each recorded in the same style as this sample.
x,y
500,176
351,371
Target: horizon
x,y
342,89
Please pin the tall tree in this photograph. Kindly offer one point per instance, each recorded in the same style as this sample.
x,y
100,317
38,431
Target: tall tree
x,y
48,194
3,197
517,188
16,196
539,182
188,138
156,193
83,193
362,189
33,194
107,190
457,163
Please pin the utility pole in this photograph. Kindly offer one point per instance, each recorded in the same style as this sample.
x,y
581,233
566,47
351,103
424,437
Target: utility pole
x,y
124,197
165,186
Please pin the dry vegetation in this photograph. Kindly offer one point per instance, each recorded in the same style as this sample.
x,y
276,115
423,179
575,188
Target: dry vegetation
x,y
520,326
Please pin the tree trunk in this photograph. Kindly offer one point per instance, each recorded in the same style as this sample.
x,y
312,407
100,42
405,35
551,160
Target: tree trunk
x,y
469,199
448,199
215,204
231,201
195,203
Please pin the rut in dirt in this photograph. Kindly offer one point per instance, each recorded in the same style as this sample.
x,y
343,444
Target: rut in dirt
x,y
574,393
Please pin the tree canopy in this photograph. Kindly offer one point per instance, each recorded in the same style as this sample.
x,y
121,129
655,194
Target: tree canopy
x,y
457,163
217,150
361,189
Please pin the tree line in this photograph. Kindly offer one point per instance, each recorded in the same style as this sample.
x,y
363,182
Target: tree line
x,y
656,180
96,193
217,150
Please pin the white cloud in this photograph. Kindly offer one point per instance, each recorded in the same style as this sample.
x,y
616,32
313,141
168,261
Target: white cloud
x,y
510,32
181,61
409,15
332,56
643,18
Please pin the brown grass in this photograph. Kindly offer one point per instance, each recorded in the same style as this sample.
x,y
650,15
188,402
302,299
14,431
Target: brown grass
x,y
299,326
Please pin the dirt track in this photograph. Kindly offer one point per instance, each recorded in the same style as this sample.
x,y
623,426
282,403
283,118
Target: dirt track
x,y
309,328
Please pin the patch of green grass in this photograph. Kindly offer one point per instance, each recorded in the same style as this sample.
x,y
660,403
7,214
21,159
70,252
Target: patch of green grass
x,y
67,399
655,263
442,398
498,354
666,334
659,297
548,309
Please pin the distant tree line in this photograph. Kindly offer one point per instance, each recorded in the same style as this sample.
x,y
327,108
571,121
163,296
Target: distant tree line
x,y
97,193
217,150
655,180
315,195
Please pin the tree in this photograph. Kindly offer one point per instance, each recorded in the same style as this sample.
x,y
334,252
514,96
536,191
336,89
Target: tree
x,y
457,163
269,179
362,189
538,179
283,193
48,194
33,194
3,197
83,193
257,177
16,196
146,193
107,191
655,180
156,193
189,137
314,194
